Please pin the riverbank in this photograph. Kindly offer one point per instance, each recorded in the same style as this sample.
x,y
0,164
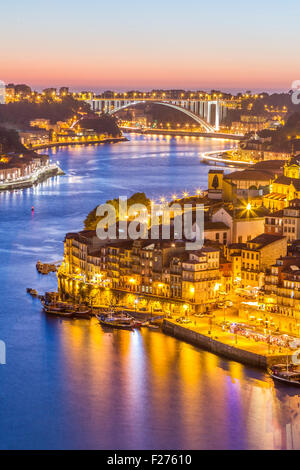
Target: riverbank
x,y
110,140
209,156
225,344
175,133
40,175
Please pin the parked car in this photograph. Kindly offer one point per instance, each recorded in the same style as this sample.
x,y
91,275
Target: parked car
x,y
185,320
179,319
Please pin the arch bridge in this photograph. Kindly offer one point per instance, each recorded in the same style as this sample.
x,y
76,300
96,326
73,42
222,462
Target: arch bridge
x,y
198,110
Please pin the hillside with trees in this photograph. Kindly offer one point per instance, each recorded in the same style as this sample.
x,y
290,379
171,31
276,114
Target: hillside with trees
x,y
261,105
21,113
10,141
92,219
287,138
102,124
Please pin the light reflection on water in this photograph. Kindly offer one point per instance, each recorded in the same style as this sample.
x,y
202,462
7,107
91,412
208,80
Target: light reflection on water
x,y
69,384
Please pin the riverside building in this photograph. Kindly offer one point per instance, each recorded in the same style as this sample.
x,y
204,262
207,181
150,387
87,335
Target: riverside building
x,y
154,274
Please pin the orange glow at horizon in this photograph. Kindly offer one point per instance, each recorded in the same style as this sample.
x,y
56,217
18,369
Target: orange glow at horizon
x,y
69,45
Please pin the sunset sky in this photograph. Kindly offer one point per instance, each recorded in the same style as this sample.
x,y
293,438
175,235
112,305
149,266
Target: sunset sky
x,y
96,44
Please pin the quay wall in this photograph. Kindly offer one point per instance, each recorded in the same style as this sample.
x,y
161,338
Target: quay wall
x,y
110,140
27,183
214,135
217,347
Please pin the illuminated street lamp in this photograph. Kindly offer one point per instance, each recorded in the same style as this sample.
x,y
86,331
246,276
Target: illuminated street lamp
x,y
185,307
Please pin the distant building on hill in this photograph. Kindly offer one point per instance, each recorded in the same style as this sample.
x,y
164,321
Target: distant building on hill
x,y
2,92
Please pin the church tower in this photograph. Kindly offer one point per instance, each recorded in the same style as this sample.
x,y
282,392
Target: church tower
x,y
215,184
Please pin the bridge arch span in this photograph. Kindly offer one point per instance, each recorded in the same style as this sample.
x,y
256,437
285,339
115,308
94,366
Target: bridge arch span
x,y
189,113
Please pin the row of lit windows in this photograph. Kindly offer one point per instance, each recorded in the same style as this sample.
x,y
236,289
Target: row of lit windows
x,y
253,256
253,266
290,221
250,277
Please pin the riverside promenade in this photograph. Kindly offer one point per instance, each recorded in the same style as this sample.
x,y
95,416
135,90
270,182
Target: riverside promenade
x,y
108,140
233,346
39,175
183,133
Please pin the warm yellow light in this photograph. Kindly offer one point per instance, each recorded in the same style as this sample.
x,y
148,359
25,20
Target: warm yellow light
x,y
132,281
217,287
185,307
192,290
249,207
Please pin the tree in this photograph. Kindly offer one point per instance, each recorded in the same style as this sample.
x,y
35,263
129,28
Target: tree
x,y
10,141
92,219
103,124
21,113
215,182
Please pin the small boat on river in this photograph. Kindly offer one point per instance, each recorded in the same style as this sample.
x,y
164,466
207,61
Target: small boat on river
x,y
32,292
45,268
66,310
82,312
286,373
116,322
58,311
153,327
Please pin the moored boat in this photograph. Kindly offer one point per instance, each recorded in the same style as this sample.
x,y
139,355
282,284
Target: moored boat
x,y
66,310
45,268
50,310
114,322
82,313
32,292
286,373
153,327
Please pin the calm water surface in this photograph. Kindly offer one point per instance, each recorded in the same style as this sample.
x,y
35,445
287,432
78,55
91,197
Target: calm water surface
x,y
67,384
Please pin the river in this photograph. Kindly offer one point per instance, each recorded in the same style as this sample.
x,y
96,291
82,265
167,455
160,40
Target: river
x,y
66,383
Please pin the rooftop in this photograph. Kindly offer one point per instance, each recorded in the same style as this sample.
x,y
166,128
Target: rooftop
x,y
285,180
269,165
265,239
215,226
249,175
